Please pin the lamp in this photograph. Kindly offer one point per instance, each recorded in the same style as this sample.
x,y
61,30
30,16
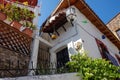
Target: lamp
x,y
70,15
53,36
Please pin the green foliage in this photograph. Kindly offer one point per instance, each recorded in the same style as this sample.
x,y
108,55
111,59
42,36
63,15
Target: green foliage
x,y
93,69
22,15
28,24
16,13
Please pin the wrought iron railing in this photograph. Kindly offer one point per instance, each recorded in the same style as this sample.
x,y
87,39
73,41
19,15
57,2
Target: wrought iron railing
x,y
13,39
21,69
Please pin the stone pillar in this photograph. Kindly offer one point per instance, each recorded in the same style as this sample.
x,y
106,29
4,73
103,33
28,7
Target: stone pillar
x,y
34,54
53,60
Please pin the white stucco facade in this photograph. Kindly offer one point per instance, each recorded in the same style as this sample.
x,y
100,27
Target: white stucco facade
x,y
81,32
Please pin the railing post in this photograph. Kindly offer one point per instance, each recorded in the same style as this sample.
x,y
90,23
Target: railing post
x,y
52,61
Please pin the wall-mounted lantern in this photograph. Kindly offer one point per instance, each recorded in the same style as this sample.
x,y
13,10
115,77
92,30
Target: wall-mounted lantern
x,y
53,36
70,14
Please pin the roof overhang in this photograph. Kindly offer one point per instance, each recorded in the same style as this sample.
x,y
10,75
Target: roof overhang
x,y
55,22
85,9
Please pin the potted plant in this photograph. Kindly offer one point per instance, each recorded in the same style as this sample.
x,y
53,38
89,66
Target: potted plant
x,y
17,15
16,24
13,15
27,15
29,28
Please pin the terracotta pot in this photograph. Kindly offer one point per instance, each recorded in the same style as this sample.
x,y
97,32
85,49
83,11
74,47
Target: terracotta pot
x,y
33,2
2,16
16,25
28,31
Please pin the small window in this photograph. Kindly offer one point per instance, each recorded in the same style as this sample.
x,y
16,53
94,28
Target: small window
x,y
118,32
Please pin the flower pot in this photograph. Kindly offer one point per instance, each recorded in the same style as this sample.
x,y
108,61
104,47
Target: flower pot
x,y
16,25
28,31
2,16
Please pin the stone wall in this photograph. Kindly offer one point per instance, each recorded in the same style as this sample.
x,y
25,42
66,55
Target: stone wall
x,y
10,61
114,24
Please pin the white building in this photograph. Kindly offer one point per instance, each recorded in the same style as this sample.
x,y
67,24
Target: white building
x,y
86,33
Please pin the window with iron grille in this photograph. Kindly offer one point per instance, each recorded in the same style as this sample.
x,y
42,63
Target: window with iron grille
x,y
62,57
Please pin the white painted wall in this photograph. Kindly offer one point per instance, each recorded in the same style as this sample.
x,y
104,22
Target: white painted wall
x,y
80,32
67,76
89,42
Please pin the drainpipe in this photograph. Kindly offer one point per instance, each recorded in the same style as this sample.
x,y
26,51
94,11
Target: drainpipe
x,y
34,54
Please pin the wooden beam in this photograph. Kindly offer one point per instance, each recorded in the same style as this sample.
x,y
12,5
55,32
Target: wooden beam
x,y
64,28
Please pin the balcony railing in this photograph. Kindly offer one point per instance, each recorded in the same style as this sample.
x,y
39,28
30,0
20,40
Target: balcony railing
x,y
22,70
13,39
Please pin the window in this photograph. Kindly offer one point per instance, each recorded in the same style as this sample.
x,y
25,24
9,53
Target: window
x,y
62,57
118,32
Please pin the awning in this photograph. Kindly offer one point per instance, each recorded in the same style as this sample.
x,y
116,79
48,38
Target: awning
x,y
55,22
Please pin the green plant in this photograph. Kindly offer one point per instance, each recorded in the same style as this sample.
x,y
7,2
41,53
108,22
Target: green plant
x,y
29,24
26,14
22,15
16,13
93,69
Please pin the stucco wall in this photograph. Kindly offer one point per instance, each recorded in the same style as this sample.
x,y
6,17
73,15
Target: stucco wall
x,y
67,76
90,28
90,43
84,32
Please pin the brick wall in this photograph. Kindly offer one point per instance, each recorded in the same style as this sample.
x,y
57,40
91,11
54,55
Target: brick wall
x,y
114,24
11,61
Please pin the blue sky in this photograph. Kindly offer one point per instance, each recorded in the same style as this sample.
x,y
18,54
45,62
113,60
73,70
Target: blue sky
x,y
47,6
105,9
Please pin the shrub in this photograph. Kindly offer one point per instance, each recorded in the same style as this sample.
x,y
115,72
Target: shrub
x,y
93,69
